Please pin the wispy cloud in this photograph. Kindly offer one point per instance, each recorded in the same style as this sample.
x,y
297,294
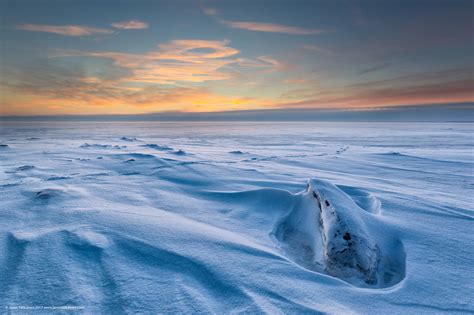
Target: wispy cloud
x,y
318,49
271,28
261,27
375,68
65,30
178,61
209,10
160,80
130,25
260,62
450,86
84,95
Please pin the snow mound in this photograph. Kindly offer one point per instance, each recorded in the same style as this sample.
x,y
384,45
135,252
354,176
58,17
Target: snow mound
x,y
48,193
25,168
158,147
128,139
180,152
363,199
328,232
87,240
57,193
101,146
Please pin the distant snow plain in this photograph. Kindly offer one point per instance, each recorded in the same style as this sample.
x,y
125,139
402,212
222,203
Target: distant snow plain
x,y
229,217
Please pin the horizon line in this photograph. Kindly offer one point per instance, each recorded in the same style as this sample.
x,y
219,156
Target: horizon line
x,y
432,112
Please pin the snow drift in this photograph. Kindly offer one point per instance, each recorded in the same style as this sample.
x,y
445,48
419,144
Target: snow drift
x,y
91,216
327,231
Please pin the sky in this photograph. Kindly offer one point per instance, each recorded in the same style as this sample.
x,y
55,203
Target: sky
x,y
61,57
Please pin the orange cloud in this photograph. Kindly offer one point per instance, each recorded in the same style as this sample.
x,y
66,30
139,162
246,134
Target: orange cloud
x,y
261,27
65,30
89,98
456,91
179,61
271,28
130,25
138,83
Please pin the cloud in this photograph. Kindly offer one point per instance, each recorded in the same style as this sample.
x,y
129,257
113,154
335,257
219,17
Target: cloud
x,y
167,78
260,62
209,11
53,89
178,61
261,27
65,30
318,49
411,80
130,25
270,60
375,68
89,95
79,30
449,86
271,28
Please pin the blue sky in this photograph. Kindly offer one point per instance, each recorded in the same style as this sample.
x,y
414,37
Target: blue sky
x,y
132,57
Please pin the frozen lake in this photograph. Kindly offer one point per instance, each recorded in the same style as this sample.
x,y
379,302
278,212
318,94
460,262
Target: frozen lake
x,y
222,217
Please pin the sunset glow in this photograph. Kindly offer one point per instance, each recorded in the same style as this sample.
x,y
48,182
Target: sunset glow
x,y
221,56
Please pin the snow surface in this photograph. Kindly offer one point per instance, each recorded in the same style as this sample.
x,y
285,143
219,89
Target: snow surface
x,y
344,218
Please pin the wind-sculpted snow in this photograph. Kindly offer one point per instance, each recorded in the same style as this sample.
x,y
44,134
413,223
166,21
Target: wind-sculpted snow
x,y
237,218
158,147
327,232
128,139
102,146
